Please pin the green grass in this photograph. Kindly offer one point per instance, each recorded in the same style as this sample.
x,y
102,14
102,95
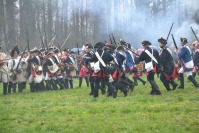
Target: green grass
x,y
68,111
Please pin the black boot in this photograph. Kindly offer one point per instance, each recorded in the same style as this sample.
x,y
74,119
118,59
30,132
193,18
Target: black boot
x,y
103,86
14,86
135,81
80,82
194,75
42,86
181,78
129,83
96,88
113,89
193,81
87,81
5,88
32,89
20,87
9,87
66,84
71,84
109,92
54,84
122,87
92,88
23,85
166,84
174,84
141,80
36,86
155,88
61,84
48,85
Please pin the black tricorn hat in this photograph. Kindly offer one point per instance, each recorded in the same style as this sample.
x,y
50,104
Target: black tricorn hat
x,y
13,51
120,48
144,43
162,40
183,40
56,50
99,45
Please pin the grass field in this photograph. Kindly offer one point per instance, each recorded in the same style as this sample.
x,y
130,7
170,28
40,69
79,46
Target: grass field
x,y
74,111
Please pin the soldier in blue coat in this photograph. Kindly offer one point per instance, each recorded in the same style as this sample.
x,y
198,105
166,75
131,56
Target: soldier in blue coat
x,y
168,67
185,55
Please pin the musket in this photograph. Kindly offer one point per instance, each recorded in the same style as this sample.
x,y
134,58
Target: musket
x,y
52,41
194,34
65,40
110,39
59,47
170,31
45,41
174,42
77,49
7,59
42,38
114,39
27,40
131,50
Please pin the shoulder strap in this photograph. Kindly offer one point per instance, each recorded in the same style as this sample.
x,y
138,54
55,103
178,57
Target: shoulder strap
x,y
100,58
72,60
152,57
189,50
52,61
38,59
114,56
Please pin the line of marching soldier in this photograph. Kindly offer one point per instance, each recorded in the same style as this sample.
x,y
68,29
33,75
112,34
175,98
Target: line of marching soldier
x,y
43,70
103,66
115,63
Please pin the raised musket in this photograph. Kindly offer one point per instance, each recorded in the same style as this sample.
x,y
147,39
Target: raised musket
x,y
110,39
114,39
169,31
194,34
15,75
65,41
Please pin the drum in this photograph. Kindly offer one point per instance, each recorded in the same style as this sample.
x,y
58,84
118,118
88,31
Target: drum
x,y
139,67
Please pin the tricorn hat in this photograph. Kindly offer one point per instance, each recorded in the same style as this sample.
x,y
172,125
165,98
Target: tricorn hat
x,y
99,45
35,49
144,43
183,40
120,48
162,40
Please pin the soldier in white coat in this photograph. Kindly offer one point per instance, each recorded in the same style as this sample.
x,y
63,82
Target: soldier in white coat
x,y
3,71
